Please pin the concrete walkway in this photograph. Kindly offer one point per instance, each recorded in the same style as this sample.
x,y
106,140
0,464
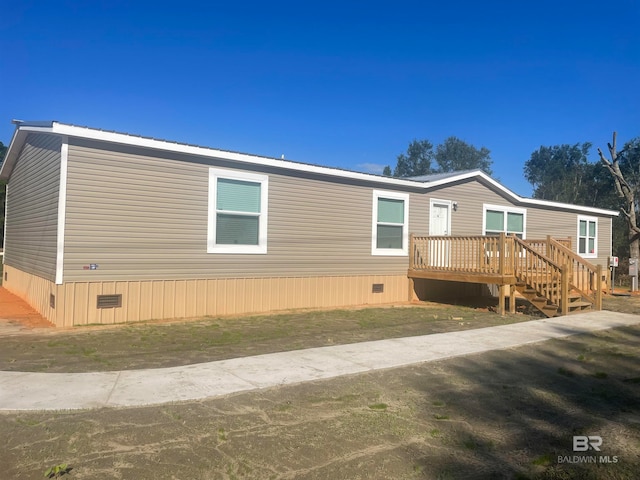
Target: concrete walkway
x,y
62,391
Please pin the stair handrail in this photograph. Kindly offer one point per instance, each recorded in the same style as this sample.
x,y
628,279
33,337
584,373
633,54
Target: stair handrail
x,y
548,278
584,277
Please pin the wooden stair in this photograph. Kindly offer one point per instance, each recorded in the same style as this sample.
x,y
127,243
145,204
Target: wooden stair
x,y
546,272
557,282
576,302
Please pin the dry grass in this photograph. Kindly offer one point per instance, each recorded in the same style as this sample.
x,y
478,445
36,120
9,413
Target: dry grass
x,y
156,345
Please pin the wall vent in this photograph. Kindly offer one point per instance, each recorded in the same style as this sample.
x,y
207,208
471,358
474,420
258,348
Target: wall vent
x,y
52,300
109,301
377,288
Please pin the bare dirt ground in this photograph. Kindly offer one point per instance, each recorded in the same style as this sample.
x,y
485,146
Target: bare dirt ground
x,y
162,344
504,414
20,312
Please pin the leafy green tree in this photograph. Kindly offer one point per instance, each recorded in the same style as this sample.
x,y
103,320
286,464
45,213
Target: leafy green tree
x,y
564,173
417,160
558,172
387,171
454,155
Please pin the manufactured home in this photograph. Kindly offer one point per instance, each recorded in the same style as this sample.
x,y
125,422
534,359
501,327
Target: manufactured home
x,y
106,227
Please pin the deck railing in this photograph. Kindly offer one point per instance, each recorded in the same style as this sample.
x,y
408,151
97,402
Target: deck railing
x,y
470,254
583,276
549,266
542,246
548,278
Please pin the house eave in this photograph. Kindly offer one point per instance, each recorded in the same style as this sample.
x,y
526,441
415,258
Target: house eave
x,y
517,198
53,127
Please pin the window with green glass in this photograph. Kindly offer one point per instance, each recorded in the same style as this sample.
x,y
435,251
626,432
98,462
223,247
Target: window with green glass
x,y
237,220
494,221
587,236
237,212
503,220
390,220
389,223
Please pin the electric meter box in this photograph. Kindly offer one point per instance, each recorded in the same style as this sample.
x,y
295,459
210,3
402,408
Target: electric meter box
x,y
633,267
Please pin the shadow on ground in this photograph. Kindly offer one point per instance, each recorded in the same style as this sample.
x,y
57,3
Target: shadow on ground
x,y
515,413
501,415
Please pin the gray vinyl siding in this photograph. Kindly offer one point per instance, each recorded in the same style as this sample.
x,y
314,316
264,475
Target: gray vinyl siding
x,y
32,207
141,217
472,194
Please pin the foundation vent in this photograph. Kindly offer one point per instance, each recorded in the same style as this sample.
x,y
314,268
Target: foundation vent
x,y
377,288
6,275
52,300
109,301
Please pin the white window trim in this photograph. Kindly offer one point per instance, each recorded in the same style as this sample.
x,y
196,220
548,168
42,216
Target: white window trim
x,y
214,175
502,208
595,239
390,252
433,201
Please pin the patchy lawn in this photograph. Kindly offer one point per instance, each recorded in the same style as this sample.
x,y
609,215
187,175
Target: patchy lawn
x,y
622,303
150,345
508,414
503,414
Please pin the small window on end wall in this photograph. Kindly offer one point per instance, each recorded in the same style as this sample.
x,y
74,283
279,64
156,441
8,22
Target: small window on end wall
x,y
389,235
588,237
237,212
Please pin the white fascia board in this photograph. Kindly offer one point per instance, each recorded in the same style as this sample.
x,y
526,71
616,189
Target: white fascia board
x,y
518,198
89,133
122,138
568,206
17,141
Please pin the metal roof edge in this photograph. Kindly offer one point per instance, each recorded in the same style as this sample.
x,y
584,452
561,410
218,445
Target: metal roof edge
x,y
147,142
519,199
54,127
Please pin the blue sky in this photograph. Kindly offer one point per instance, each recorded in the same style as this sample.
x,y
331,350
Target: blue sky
x,y
345,84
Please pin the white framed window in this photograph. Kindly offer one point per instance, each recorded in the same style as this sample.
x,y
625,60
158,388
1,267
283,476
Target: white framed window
x,y
390,225
588,237
497,219
237,220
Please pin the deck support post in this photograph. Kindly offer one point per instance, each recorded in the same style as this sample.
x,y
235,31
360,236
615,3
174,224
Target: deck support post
x,y
512,298
502,289
412,290
598,287
564,290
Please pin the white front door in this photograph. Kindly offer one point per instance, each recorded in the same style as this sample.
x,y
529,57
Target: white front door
x,y
439,225
440,219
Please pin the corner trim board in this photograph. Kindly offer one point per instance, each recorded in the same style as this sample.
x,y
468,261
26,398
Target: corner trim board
x,y
62,203
6,209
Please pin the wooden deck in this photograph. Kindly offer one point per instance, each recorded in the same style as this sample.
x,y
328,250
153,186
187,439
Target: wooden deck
x,y
546,272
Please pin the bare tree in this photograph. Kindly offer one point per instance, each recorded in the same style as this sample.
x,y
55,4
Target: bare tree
x,y
627,193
